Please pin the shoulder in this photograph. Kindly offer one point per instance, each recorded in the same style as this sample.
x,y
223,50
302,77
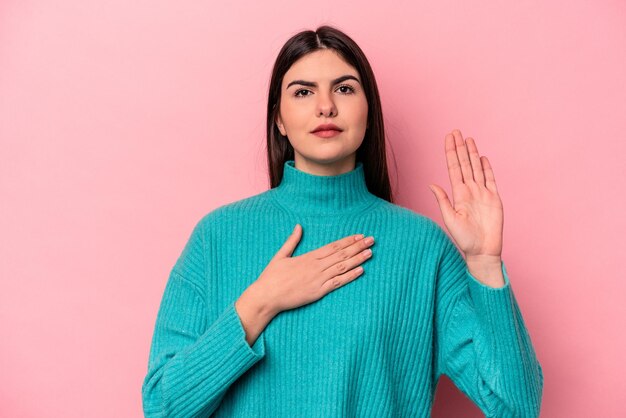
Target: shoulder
x,y
235,210
411,219
422,230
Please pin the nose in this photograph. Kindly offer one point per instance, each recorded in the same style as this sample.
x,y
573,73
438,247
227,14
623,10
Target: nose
x,y
326,105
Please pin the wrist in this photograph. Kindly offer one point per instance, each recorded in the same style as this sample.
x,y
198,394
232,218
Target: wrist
x,y
258,303
487,269
483,259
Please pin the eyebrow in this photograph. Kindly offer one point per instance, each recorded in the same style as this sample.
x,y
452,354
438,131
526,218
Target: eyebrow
x,y
335,81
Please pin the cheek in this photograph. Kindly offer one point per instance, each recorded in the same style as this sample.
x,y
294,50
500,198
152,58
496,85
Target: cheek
x,y
294,116
359,109
361,114
364,109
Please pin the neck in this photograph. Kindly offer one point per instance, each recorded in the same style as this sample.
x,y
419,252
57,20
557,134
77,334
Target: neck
x,y
312,167
309,194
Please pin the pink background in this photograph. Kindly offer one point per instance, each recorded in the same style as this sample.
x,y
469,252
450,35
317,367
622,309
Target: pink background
x,y
122,123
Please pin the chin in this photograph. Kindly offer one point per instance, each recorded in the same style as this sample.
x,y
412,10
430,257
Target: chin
x,y
326,157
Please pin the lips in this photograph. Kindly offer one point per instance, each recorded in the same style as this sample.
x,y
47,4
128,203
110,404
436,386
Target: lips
x,y
327,127
327,133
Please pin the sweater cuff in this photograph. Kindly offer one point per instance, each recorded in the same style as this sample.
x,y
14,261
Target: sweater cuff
x,y
234,326
493,305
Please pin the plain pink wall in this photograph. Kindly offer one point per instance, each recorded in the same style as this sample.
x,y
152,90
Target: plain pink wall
x,y
122,123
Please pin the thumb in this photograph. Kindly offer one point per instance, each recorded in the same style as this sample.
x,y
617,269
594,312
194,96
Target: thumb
x,y
442,199
290,245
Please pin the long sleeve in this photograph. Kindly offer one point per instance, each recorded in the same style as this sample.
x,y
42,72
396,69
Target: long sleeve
x,y
482,343
193,361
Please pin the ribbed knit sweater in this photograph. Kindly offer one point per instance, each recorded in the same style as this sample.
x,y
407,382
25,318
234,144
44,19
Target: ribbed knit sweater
x,y
374,347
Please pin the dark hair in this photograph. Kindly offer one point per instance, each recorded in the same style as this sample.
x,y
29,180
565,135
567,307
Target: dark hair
x,y
372,151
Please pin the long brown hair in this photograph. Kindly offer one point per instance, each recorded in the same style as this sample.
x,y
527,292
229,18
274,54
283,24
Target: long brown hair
x,y
372,151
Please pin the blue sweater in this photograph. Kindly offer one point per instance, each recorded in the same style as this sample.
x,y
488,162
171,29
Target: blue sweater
x,y
374,347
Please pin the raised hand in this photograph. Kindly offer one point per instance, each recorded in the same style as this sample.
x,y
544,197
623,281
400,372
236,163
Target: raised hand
x,y
475,220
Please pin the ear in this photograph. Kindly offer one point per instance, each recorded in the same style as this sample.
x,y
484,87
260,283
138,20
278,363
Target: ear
x,y
281,128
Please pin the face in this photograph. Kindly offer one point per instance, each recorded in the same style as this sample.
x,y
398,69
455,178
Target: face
x,y
315,91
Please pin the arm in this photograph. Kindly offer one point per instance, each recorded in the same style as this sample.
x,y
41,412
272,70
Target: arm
x,y
192,362
481,341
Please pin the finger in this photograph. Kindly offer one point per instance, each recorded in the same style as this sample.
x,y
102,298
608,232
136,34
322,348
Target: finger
x,y
477,167
490,180
290,245
335,246
454,167
347,257
461,150
340,280
445,206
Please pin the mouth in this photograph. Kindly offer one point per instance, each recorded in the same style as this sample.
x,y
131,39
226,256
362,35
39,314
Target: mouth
x,y
327,133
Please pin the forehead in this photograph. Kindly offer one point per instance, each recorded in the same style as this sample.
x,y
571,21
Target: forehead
x,y
320,65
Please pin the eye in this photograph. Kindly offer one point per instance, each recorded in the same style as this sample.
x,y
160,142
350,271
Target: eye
x,y
298,91
350,90
345,86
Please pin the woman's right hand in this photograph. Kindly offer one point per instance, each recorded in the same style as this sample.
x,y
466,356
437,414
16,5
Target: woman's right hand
x,y
289,282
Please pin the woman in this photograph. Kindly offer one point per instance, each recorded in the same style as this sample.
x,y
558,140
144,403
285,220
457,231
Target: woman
x,y
253,325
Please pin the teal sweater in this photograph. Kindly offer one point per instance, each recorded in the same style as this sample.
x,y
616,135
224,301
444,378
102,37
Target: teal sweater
x,y
374,347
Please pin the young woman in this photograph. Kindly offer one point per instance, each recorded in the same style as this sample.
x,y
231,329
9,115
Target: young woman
x,y
261,319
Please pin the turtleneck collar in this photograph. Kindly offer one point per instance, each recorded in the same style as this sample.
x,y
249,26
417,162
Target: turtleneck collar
x,y
309,194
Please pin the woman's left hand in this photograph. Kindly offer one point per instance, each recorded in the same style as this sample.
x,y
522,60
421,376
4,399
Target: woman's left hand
x,y
476,219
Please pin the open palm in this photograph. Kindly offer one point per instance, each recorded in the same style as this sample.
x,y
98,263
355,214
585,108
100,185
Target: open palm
x,y
475,220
